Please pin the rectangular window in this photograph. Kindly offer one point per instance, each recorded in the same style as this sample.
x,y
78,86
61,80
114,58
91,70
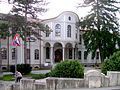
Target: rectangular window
x,y
76,35
92,56
85,54
70,53
36,54
97,57
4,37
28,53
4,53
47,53
79,57
47,34
13,53
80,39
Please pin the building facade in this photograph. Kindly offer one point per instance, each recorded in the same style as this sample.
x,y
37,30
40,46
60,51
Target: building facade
x,y
63,43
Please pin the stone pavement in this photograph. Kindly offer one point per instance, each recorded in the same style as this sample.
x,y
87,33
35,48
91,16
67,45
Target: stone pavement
x,y
105,88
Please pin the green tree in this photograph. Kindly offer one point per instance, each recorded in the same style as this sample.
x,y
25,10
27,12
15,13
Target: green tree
x,y
100,21
23,9
4,31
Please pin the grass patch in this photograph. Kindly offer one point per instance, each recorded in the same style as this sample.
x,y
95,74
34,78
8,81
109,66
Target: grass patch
x,y
43,69
11,77
6,71
39,76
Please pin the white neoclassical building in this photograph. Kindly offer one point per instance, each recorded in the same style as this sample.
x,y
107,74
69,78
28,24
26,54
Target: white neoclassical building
x,y
63,43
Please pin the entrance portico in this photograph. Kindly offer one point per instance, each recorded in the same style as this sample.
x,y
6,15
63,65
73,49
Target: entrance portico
x,y
58,51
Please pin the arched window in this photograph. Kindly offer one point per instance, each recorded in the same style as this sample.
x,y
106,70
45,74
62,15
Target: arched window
x,y
69,18
57,30
69,31
4,53
36,52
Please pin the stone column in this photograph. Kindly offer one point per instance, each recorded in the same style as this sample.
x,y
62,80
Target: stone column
x,y
82,56
63,53
51,55
44,55
72,53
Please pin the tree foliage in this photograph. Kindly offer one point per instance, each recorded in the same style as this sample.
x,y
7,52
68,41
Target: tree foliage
x,y
26,11
112,63
100,22
4,31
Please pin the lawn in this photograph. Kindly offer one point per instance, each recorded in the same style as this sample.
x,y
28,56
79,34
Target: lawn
x,y
11,77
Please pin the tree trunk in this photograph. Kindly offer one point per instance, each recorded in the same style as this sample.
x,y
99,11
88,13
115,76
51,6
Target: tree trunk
x,y
8,67
25,36
0,59
25,49
29,50
40,51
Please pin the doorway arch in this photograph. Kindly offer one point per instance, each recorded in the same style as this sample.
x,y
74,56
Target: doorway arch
x,y
58,52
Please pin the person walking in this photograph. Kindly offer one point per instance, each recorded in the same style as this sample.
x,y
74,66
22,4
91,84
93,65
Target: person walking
x,y
19,76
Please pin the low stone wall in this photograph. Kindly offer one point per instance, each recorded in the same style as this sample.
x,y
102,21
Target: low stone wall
x,y
6,85
60,83
114,78
95,79
92,79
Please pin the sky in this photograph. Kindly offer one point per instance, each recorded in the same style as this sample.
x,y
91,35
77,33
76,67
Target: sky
x,y
55,7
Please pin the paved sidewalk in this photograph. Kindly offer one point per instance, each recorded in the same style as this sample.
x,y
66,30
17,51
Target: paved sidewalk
x,y
40,71
105,88
46,71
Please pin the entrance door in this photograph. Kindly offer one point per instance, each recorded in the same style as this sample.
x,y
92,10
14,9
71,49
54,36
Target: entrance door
x,y
58,55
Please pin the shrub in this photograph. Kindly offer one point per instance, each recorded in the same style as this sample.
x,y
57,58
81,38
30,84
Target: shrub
x,y
68,69
23,68
47,74
112,64
39,76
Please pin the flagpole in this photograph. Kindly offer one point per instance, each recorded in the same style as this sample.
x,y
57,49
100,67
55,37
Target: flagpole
x,y
15,64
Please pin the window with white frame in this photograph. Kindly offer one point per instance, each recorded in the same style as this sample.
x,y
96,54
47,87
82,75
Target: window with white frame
x,y
80,39
97,55
69,18
13,53
47,31
57,30
69,31
85,55
70,53
47,53
92,56
36,53
28,53
79,55
4,53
